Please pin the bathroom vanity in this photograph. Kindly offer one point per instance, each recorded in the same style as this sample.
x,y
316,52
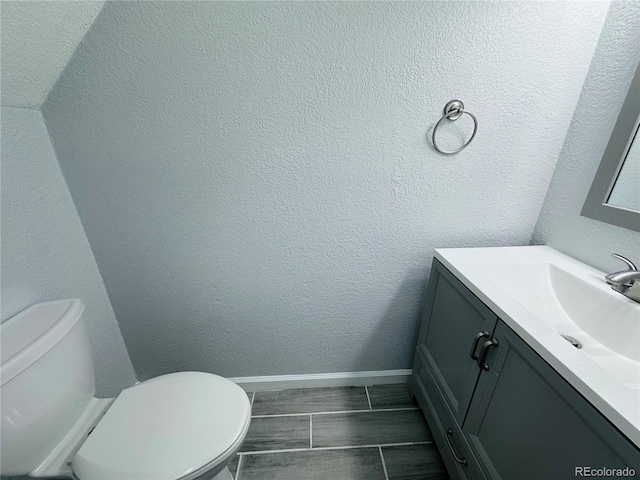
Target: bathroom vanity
x,y
505,394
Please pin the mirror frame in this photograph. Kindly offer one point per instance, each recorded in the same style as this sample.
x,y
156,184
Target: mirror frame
x,y
626,128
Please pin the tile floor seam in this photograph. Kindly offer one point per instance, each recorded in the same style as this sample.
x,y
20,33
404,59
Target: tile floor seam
x,y
238,474
342,447
366,390
337,412
384,465
401,454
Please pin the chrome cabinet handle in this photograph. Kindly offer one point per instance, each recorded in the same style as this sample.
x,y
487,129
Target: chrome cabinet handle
x,y
485,351
462,461
474,345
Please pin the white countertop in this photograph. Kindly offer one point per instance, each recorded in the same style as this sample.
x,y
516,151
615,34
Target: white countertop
x,y
617,401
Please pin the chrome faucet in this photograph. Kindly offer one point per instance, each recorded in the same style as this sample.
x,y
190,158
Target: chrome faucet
x,y
626,282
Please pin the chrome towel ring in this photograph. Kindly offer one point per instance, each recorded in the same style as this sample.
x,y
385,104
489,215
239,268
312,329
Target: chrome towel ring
x,y
453,110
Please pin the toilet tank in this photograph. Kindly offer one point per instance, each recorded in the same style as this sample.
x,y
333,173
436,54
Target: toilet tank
x,y
47,381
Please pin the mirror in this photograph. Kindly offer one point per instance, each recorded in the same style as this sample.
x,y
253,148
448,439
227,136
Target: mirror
x,y
626,189
614,196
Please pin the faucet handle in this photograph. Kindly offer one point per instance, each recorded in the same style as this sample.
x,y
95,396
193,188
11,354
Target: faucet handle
x,y
625,260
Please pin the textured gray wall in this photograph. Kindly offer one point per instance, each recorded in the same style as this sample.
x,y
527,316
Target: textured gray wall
x,y
560,224
45,253
255,179
38,38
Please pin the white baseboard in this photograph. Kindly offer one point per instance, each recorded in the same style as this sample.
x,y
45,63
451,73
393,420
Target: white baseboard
x,y
314,380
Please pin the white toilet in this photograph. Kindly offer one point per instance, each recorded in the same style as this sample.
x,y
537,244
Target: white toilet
x,y
186,425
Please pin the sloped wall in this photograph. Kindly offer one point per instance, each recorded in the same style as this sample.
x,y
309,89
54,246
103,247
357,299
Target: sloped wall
x,y
255,178
38,38
560,224
45,252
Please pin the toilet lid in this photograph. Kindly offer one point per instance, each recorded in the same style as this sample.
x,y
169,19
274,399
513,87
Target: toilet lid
x,y
166,428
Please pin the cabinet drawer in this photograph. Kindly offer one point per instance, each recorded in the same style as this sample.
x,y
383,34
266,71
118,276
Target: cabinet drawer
x,y
445,429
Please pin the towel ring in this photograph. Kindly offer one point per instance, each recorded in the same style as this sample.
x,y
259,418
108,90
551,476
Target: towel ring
x,y
452,112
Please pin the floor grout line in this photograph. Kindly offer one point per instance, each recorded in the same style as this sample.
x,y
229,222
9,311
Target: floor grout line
x,y
343,447
368,397
384,465
238,474
380,446
400,409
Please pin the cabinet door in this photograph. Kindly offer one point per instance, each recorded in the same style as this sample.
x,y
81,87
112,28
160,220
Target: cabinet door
x,y
452,320
527,422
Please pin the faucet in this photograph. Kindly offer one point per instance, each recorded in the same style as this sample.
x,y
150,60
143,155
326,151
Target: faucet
x,y
626,282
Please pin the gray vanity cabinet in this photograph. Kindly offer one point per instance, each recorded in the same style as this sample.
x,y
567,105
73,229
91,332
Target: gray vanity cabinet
x,y
454,327
507,415
527,422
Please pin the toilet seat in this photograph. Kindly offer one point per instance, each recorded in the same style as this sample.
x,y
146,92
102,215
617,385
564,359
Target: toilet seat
x,y
176,426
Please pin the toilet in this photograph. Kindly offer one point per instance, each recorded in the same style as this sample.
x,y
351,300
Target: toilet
x,y
186,425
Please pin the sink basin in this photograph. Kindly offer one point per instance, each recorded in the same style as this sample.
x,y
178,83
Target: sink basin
x,y
605,323
606,316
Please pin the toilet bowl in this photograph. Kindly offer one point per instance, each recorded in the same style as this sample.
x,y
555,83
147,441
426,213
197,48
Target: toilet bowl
x,y
179,426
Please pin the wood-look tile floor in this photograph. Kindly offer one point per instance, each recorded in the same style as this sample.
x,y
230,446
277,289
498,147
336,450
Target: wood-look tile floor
x,y
338,433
